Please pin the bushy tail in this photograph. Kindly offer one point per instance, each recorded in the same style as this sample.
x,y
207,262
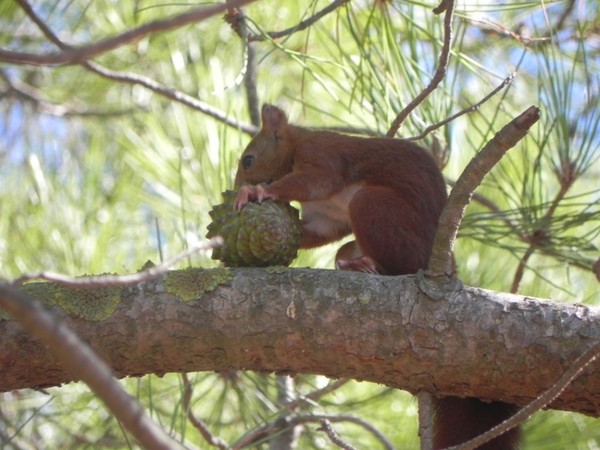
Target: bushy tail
x,y
459,419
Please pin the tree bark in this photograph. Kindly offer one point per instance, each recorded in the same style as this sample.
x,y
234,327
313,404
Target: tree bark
x,y
469,342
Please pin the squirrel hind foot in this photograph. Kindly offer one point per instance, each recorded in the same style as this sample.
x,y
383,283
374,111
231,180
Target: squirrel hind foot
x,y
364,264
351,257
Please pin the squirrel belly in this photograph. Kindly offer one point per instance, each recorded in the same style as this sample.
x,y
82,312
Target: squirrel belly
x,y
328,220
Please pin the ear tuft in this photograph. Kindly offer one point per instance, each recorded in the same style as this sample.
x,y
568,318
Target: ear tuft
x,y
272,117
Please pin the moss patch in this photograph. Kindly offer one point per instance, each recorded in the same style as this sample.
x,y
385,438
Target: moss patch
x,y
94,303
190,284
277,269
364,298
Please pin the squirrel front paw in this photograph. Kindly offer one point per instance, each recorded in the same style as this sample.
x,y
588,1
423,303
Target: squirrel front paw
x,y
245,195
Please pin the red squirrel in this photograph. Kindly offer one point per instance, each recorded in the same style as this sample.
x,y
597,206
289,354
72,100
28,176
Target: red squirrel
x,y
389,193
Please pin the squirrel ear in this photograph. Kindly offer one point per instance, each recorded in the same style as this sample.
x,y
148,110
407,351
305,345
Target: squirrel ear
x,y
272,117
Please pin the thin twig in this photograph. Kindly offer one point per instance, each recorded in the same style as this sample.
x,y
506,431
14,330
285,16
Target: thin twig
x,y
520,271
533,241
519,232
270,428
28,94
333,436
140,80
83,364
250,85
426,420
197,423
562,18
469,109
440,72
170,93
76,55
489,27
543,400
300,26
119,280
286,392
317,394
440,263
237,19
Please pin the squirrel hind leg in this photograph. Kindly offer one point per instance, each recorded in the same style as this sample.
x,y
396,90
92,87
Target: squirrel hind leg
x,y
391,230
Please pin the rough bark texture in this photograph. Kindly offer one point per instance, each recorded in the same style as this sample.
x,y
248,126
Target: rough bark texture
x,y
472,342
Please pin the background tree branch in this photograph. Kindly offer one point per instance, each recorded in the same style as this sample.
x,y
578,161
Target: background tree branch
x,y
138,79
76,55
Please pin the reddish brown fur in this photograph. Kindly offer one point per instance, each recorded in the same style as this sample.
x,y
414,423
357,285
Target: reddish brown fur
x,y
388,192
387,214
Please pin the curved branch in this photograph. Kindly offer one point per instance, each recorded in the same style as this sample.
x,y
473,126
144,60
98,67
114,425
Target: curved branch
x,y
271,428
468,109
170,93
302,25
82,363
239,23
440,263
140,80
197,423
448,5
333,436
317,394
28,94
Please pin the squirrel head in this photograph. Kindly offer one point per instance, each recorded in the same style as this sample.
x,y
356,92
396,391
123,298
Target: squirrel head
x,y
269,155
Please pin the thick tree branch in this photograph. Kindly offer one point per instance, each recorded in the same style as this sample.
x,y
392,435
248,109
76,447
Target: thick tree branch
x,y
381,329
76,55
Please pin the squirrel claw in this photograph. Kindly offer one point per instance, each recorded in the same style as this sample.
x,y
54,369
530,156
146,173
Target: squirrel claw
x,y
249,193
244,196
262,194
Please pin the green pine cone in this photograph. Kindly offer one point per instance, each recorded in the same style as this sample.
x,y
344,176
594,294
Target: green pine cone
x,y
261,234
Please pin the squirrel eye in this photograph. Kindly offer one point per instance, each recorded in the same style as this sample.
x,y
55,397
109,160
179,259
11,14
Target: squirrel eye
x,y
247,161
